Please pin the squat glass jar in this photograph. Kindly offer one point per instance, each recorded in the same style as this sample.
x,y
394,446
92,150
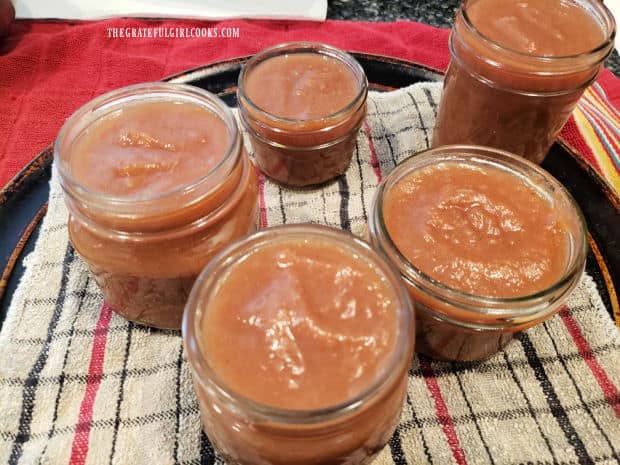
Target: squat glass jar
x,y
241,341
474,239
146,247
302,105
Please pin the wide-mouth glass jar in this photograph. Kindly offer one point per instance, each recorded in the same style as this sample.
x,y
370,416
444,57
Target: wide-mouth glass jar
x,y
483,219
514,79
302,104
146,214
264,363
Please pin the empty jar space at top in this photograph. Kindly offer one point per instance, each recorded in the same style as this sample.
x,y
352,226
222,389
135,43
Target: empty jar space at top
x,y
518,69
302,105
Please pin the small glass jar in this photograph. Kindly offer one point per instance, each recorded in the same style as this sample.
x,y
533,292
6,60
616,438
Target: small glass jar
x,y
513,101
248,432
146,252
302,152
456,325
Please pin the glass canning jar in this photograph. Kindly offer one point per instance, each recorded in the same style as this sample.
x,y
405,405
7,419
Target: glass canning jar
x,y
250,432
301,151
497,96
146,251
453,324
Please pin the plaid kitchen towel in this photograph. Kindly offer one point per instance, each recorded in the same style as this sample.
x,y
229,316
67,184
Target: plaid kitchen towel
x,y
81,385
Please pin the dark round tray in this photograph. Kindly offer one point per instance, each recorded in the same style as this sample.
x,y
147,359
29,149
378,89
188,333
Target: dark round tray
x,y
23,201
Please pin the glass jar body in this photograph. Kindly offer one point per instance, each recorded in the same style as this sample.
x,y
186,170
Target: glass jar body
x,y
455,325
515,102
148,279
354,439
246,432
145,252
302,152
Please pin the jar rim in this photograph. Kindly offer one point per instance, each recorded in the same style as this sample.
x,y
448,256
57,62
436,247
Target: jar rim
x,y
604,14
178,231
484,305
228,257
303,47
148,91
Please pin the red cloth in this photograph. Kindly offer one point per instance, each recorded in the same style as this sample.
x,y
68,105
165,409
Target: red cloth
x,y
49,69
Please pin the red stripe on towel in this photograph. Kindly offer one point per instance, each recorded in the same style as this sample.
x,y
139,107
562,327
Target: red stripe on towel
x,y
79,448
610,391
441,409
374,161
261,196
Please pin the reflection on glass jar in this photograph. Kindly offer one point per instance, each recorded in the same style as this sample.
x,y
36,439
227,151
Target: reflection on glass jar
x,y
156,181
487,243
518,69
299,339
302,105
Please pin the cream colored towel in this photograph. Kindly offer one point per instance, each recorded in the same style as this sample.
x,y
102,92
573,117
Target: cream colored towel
x,y
81,385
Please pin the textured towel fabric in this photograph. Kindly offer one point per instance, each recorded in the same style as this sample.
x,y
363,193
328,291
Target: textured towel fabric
x,y
81,385
49,69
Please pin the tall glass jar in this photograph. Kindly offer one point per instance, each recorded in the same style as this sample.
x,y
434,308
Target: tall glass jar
x,y
302,151
453,324
497,96
248,432
145,252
